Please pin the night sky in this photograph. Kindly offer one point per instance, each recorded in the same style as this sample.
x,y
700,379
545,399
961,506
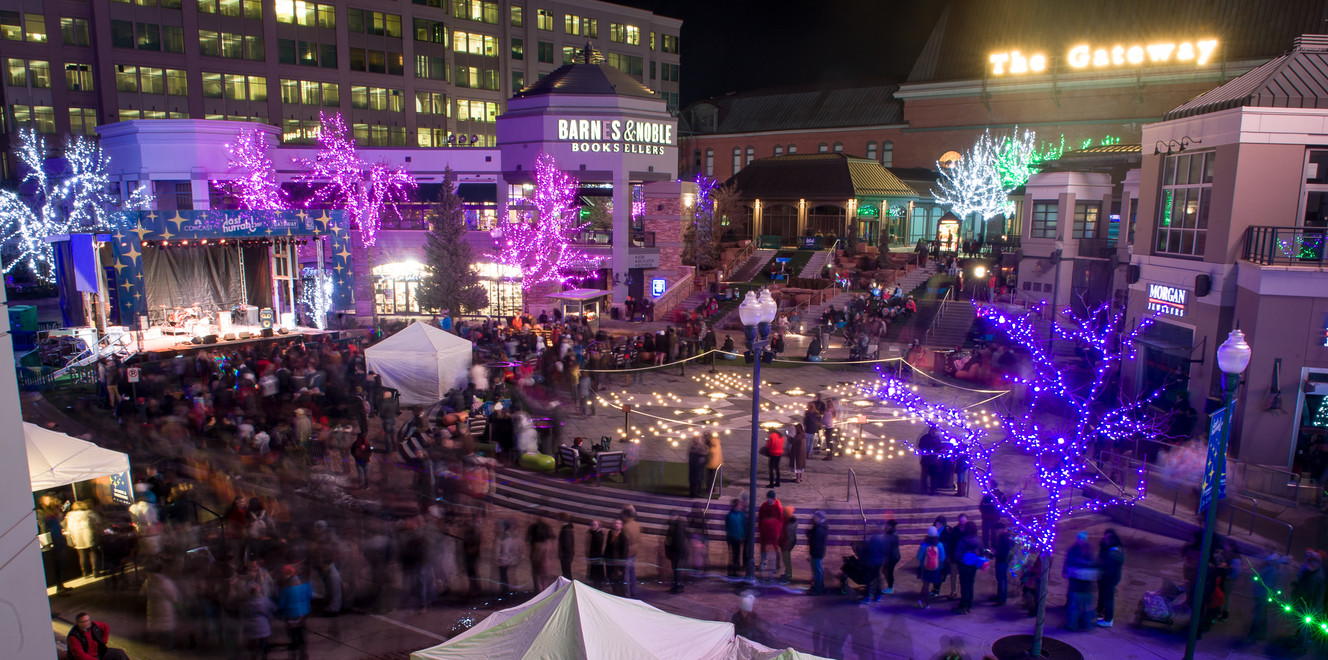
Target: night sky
x,y
739,45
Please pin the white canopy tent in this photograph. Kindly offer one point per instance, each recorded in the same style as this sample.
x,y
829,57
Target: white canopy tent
x,y
422,362
574,620
56,459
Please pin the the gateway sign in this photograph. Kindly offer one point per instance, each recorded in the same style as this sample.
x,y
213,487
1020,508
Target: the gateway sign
x,y
625,136
1167,300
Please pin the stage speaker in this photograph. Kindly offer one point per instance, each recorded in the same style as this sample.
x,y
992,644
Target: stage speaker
x,y
1203,285
230,336
267,333
245,334
283,330
196,340
209,339
1132,275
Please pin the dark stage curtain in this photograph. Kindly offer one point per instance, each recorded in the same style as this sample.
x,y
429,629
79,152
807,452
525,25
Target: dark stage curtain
x,y
188,276
258,276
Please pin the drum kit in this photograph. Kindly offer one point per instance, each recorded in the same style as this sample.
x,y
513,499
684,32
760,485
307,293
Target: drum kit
x,y
195,320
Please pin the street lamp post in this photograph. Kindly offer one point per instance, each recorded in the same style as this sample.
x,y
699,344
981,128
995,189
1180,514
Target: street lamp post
x,y
1232,358
756,313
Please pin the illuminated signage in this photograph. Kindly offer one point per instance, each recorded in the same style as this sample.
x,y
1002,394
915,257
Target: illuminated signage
x,y
1086,56
868,211
618,136
1167,300
657,287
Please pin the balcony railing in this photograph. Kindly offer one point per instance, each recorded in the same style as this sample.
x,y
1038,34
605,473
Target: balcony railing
x,y
1286,246
605,237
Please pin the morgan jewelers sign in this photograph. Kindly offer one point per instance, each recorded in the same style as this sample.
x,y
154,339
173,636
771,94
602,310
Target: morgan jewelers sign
x,y
1116,56
624,136
1167,300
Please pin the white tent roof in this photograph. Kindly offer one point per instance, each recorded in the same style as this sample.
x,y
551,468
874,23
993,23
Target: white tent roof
x,y
56,459
422,362
574,620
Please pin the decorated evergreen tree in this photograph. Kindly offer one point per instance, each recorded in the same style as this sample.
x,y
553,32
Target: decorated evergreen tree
x,y
450,281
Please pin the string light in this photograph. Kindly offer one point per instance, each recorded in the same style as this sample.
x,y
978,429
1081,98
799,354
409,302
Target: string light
x,y
1062,453
972,184
316,296
540,244
1308,618
342,180
75,200
254,185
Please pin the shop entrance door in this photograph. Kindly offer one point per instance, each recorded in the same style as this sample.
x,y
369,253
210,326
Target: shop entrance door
x,y
1311,426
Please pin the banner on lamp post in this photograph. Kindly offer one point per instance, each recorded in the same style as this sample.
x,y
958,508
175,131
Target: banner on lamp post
x,y
1215,468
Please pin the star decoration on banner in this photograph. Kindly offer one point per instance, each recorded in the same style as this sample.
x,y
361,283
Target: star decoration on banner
x,y
344,254
119,266
141,231
176,220
133,253
166,234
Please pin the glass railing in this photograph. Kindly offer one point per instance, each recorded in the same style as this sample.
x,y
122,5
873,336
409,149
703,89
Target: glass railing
x,y
1289,246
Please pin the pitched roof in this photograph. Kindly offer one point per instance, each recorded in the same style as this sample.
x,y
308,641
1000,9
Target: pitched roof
x,y
818,176
589,75
1298,79
785,109
967,31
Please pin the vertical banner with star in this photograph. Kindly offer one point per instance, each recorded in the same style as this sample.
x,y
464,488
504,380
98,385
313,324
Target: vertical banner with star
x,y
1215,464
139,227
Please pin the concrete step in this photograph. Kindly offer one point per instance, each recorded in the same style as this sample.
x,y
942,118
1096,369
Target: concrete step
x,y
754,264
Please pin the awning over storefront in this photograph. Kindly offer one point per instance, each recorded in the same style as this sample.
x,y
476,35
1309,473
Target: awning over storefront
x,y
580,295
56,459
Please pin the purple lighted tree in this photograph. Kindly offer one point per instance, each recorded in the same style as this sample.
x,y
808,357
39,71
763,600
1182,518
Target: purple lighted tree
x,y
342,180
540,243
255,185
1070,415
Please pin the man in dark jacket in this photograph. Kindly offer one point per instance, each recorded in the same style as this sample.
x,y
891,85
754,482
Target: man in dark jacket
x,y
1111,557
1003,550
566,544
675,548
991,513
891,556
950,539
595,572
817,538
735,532
88,640
873,558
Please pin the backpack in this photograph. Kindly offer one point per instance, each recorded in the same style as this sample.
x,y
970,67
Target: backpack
x,y
931,559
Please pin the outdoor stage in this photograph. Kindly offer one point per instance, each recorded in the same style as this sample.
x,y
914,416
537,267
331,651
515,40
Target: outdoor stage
x,y
155,341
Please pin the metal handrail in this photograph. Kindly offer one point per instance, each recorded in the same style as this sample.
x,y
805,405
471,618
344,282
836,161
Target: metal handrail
x,y
853,482
1134,463
1231,520
936,320
719,477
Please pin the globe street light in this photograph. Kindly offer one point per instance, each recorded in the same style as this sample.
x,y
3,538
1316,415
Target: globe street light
x,y
1232,358
756,313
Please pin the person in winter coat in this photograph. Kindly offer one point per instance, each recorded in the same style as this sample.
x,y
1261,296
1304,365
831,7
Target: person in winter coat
x,y
81,527
950,539
675,548
256,617
774,449
566,544
891,556
509,553
1002,551
1081,569
362,453
88,640
971,560
788,538
796,450
714,456
735,534
991,513
770,524
595,547
931,560
1111,556
163,600
811,423
696,462
631,540
873,558
293,606
539,537
817,539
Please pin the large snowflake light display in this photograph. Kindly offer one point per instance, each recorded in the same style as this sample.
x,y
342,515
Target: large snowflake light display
x,y
255,185
316,296
539,243
1067,417
71,201
342,180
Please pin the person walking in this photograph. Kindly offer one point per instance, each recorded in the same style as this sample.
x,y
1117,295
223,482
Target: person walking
x,y
1111,557
696,466
770,524
811,423
990,511
595,547
631,540
675,548
735,533
892,556
714,457
256,617
81,526
1002,552
788,538
931,560
566,544
509,553
539,536
817,539
774,450
1082,571
829,415
971,560
362,453
873,558
293,608
950,539
796,450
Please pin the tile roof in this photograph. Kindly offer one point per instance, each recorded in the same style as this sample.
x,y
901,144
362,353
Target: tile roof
x,y
818,176
775,110
583,78
1298,79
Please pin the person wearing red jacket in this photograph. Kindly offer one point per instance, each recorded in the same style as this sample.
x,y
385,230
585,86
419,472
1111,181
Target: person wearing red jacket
x,y
774,448
88,640
770,528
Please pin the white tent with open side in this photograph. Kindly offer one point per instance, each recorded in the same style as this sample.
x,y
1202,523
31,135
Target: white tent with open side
x,y
422,362
56,459
573,620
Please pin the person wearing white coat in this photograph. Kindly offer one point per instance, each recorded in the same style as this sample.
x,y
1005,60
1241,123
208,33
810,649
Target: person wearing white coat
x,y
81,529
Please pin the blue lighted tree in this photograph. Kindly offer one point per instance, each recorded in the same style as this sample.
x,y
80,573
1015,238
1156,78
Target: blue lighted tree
x,y
1069,415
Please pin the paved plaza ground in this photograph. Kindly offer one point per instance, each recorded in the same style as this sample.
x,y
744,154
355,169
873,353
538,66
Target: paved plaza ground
x,y
666,405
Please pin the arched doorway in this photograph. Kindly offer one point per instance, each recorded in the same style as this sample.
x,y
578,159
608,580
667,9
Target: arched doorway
x,y
825,220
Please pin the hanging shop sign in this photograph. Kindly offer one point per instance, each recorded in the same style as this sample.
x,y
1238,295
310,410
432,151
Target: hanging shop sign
x,y
1167,300
625,136
657,286
1090,56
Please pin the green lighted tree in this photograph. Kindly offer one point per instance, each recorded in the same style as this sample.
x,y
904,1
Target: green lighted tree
x,y
450,282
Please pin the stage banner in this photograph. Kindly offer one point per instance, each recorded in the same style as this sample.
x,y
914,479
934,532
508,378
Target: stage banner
x,y
168,227
84,251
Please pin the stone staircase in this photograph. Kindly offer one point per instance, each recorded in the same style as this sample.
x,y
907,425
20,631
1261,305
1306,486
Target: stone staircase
x,y
541,495
754,264
914,278
816,264
952,329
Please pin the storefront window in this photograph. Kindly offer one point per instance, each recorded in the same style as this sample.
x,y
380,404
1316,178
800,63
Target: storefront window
x,y
396,287
1182,215
503,283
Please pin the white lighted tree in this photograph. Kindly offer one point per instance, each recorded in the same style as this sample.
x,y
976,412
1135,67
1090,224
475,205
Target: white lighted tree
x,y
76,199
972,184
